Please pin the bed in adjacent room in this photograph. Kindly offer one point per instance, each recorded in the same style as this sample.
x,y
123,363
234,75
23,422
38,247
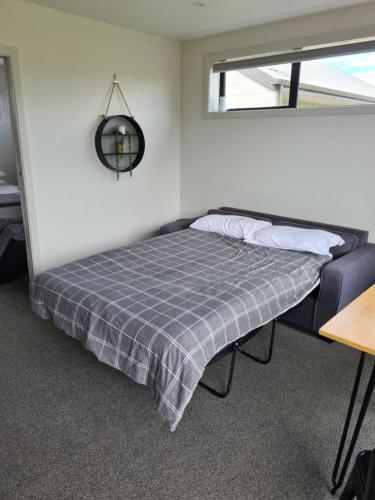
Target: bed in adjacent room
x,y
13,259
10,203
9,194
161,309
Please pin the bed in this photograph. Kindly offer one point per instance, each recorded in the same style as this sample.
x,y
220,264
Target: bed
x,y
10,205
161,309
13,260
9,194
13,257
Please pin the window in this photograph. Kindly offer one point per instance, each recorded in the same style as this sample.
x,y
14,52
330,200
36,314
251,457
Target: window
x,y
329,76
258,87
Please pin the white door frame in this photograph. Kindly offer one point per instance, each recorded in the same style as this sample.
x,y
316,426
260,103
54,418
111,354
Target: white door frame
x,y
23,164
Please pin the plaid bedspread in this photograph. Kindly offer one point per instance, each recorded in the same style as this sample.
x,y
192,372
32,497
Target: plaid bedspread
x,y
159,310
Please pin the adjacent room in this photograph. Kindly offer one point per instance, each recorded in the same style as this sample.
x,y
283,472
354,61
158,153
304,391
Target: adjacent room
x,y
187,249
13,259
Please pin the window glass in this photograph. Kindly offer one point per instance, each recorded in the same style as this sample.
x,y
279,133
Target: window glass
x,y
267,86
321,76
337,81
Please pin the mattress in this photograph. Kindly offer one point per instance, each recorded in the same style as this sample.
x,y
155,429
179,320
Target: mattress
x,y
9,195
10,212
160,310
6,188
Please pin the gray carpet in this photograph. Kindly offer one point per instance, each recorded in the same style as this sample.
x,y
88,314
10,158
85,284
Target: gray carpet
x,y
72,428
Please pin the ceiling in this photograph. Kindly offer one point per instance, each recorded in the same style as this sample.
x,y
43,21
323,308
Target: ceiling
x,y
187,19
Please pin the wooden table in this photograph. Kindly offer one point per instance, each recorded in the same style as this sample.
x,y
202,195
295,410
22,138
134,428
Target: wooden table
x,y
354,326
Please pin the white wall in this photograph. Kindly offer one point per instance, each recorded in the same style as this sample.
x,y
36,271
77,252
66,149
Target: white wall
x,y
66,65
7,154
317,167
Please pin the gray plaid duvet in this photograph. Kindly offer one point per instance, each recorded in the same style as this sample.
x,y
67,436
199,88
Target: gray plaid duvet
x,y
159,310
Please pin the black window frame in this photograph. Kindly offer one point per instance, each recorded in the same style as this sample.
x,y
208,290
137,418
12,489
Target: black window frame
x,y
293,90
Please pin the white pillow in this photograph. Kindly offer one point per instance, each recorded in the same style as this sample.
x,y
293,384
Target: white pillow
x,y
2,174
295,238
234,226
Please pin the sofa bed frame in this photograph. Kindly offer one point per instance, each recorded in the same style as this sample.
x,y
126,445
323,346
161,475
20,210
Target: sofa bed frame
x,y
351,271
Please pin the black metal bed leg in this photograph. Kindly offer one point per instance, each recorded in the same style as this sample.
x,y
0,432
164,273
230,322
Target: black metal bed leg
x,y
366,400
230,377
270,349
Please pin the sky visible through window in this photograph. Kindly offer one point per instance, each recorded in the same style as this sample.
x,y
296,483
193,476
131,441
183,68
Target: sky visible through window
x,y
361,66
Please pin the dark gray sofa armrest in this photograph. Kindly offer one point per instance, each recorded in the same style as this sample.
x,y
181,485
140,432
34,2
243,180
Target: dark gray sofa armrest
x,y
342,280
177,225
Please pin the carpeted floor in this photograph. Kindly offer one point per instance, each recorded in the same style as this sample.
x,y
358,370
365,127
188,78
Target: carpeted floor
x,y
73,428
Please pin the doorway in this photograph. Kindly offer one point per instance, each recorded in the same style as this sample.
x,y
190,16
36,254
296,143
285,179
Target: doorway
x,y
13,253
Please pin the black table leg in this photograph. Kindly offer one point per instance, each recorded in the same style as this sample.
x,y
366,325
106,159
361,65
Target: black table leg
x,y
366,400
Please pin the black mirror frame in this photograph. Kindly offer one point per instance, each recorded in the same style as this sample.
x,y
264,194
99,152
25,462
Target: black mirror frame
x,y
98,142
